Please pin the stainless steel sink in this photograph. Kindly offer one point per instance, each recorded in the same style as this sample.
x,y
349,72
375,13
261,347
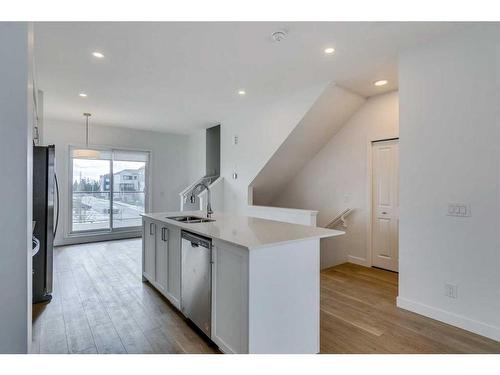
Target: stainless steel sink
x,y
190,219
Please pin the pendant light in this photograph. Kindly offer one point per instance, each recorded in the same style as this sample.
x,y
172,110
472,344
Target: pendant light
x,y
86,153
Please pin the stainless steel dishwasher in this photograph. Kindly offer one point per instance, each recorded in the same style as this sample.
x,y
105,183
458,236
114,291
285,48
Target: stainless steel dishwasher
x,y
196,280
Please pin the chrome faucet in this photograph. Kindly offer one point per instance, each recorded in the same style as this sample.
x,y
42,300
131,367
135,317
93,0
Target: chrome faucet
x,y
192,197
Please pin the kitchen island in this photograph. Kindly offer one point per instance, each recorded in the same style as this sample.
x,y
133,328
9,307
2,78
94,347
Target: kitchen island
x,y
264,278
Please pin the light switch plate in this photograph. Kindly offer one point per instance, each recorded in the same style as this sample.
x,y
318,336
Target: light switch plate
x,y
451,290
458,209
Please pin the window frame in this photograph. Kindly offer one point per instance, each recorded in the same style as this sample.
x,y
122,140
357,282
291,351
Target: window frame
x,y
71,233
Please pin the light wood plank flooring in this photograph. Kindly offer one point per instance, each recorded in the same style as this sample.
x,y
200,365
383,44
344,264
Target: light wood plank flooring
x,y
359,315
100,305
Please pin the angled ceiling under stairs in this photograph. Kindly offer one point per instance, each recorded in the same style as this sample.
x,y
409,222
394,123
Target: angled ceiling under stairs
x,y
326,116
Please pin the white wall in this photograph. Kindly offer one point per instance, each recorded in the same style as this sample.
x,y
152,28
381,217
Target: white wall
x,y
450,152
169,169
326,116
260,131
16,153
337,178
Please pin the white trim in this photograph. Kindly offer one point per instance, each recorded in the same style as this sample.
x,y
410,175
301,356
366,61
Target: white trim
x,y
369,200
358,260
290,215
286,209
460,321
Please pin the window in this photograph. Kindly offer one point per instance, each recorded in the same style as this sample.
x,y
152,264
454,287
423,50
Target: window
x,y
109,189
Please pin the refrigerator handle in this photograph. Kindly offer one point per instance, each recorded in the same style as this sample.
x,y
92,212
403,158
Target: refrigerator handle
x,y
57,195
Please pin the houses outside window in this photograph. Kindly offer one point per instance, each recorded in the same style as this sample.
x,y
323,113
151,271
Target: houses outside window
x,y
109,189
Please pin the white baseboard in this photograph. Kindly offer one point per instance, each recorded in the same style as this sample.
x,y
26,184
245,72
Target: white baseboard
x,y
460,321
358,260
98,238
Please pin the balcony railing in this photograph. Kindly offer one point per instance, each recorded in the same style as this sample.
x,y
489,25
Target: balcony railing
x,y
93,211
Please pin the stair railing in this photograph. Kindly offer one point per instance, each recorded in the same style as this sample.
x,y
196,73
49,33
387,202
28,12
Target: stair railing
x,y
188,191
340,219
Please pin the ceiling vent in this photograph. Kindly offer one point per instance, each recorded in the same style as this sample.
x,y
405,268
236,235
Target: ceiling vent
x,y
279,36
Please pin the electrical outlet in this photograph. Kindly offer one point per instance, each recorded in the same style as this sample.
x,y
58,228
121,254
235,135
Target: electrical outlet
x,y
451,290
458,209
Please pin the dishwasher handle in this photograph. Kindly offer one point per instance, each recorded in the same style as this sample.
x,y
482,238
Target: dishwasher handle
x,y
197,241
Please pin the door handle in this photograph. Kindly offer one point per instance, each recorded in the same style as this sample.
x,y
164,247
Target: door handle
x,y
164,234
57,195
384,213
151,230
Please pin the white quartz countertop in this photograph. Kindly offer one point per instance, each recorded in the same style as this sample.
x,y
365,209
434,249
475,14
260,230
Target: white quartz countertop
x,y
249,232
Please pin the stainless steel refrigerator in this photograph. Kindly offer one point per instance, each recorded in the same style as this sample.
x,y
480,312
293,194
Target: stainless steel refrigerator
x,y
45,197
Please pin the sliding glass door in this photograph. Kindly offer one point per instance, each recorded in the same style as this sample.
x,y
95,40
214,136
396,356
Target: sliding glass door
x,y
129,188
109,189
90,200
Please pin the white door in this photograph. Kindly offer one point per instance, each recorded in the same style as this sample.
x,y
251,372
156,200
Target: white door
x,y
385,204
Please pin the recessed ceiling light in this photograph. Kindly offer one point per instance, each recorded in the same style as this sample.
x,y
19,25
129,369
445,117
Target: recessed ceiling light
x,y
82,94
97,54
241,92
381,82
329,50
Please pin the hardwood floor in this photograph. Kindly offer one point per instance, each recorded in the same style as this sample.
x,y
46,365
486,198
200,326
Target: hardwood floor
x,y
101,305
359,315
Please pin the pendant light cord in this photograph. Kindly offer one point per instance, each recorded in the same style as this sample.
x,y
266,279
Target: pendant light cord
x,y
87,115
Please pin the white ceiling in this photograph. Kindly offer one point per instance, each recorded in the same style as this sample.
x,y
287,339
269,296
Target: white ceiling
x,y
177,76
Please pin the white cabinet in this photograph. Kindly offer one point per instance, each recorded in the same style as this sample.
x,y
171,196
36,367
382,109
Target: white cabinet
x,y
161,264
230,297
149,250
174,265
266,300
162,249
